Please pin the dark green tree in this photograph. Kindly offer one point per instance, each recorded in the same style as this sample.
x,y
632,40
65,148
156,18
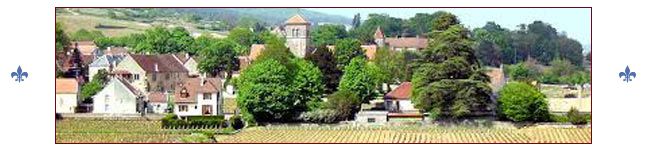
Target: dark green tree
x,y
345,102
326,62
328,34
264,92
219,57
347,49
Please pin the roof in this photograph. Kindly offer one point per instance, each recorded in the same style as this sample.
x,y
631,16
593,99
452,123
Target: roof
x,y
409,42
85,47
67,86
85,60
164,63
182,57
369,50
157,97
193,87
115,51
128,86
402,92
255,51
106,60
379,34
297,19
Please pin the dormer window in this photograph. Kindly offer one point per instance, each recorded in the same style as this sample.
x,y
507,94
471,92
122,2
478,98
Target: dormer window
x,y
184,93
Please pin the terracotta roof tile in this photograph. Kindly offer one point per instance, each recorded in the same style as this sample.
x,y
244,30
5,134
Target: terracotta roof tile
x,y
379,34
85,47
407,42
129,86
192,87
157,97
297,19
165,63
402,92
67,86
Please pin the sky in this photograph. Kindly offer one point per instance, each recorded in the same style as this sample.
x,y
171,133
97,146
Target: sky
x,y
576,22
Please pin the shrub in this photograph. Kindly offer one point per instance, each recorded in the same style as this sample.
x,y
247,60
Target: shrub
x,y
559,118
345,102
575,117
321,116
236,122
199,137
522,102
172,121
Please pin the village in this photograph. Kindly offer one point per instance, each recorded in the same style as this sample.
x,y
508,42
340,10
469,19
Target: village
x,y
266,86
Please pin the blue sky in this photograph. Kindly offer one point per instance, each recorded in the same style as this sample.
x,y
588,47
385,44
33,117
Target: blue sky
x,y
576,22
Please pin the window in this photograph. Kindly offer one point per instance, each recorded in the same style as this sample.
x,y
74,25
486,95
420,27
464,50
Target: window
x,y
184,93
207,96
296,32
371,120
136,76
183,108
167,76
154,77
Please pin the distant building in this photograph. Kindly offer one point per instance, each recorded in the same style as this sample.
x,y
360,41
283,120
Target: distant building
x,y
67,95
296,30
198,97
118,97
105,62
152,72
399,43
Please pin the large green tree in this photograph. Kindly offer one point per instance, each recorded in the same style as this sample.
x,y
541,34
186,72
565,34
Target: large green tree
x,y
219,57
387,66
359,79
62,39
264,91
347,49
522,102
328,34
244,37
448,80
160,40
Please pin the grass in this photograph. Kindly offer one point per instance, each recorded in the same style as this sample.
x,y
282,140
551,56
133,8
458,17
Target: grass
x,y
73,23
93,131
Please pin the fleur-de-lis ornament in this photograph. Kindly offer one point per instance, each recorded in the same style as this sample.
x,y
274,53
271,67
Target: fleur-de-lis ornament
x,y
20,75
627,75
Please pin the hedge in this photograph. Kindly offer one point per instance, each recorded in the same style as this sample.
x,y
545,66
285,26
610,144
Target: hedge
x,y
171,121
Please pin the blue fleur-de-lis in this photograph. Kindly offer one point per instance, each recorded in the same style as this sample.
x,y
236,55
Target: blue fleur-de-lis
x,y
627,75
20,74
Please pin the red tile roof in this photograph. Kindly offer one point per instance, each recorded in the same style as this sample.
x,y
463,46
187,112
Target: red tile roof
x,y
157,97
402,92
129,86
115,51
408,42
193,87
85,47
297,19
165,63
379,34
67,86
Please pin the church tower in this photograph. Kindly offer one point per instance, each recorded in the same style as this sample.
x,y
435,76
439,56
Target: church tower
x,y
379,37
296,30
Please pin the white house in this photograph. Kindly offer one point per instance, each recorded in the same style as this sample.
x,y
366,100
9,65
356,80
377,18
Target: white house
x,y
117,97
105,62
399,104
198,97
157,102
67,95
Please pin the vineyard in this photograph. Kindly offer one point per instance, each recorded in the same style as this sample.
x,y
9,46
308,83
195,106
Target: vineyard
x,y
68,131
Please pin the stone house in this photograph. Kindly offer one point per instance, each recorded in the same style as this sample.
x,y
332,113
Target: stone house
x,y
400,43
67,95
152,72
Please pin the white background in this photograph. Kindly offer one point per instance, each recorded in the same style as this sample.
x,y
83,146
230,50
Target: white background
x,y
28,40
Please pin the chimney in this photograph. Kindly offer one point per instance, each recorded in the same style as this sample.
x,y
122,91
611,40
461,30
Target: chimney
x,y
202,81
186,55
156,68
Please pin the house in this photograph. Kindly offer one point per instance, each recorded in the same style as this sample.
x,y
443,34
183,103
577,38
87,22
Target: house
x,y
157,102
105,62
400,43
67,95
86,47
369,50
190,63
197,97
151,72
399,104
117,97
123,51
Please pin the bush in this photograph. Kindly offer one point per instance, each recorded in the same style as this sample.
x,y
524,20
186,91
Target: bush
x,y
345,102
559,118
575,117
321,116
236,122
199,137
172,121
522,102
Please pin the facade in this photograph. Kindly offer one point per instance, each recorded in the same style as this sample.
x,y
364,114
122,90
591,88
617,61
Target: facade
x,y
400,43
105,62
198,97
157,102
117,97
152,72
399,104
296,30
67,95
190,63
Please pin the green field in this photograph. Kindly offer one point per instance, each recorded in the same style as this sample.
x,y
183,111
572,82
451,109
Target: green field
x,y
89,131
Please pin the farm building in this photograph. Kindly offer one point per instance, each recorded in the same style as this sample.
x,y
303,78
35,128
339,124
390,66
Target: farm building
x,y
67,95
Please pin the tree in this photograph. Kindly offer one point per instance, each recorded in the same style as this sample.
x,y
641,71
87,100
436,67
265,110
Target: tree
x,y
522,102
264,92
275,49
328,34
391,26
98,82
386,66
326,62
448,81
347,49
244,37
443,21
160,40
421,22
358,79
521,72
345,102
405,62
306,82
488,53
85,35
62,39
219,57
356,21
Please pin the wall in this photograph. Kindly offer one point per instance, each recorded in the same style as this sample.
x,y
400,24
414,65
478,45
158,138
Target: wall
x,y
65,103
131,66
118,98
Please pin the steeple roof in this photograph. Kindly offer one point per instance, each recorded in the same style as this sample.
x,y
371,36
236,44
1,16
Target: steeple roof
x,y
379,34
297,19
